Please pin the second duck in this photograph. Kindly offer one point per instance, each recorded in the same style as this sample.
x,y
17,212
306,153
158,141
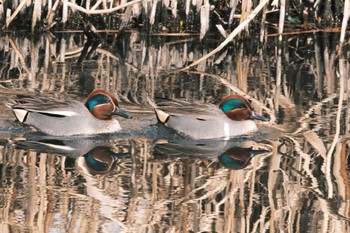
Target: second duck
x,y
233,117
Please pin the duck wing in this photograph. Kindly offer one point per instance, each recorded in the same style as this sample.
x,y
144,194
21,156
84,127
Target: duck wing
x,y
49,106
191,109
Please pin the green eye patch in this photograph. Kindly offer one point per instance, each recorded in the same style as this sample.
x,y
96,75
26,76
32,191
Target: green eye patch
x,y
96,100
231,104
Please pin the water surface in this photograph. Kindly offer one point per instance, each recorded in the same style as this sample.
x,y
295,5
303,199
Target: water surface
x,y
148,179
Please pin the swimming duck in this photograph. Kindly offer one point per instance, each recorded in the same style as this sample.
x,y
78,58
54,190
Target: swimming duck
x,y
70,117
233,117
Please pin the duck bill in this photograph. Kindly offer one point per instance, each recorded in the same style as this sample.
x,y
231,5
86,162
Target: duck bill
x,y
257,152
256,116
119,112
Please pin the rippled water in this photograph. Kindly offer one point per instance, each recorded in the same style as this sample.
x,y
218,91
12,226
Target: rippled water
x,y
291,176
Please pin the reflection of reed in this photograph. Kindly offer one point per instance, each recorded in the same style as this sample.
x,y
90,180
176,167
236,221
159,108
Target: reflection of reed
x,y
42,191
142,192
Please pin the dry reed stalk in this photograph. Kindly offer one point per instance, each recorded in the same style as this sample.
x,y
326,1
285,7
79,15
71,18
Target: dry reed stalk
x,y
21,58
305,32
34,61
51,13
45,82
262,29
281,19
345,20
233,6
104,4
49,6
87,5
97,4
175,34
173,7
204,19
1,9
245,64
8,16
221,30
153,12
278,76
329,60
65,11
105,11
36,13
15,13
125,18
230,37
187,7
246,8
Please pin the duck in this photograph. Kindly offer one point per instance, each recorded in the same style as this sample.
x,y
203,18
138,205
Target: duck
x,y
233,117
70,117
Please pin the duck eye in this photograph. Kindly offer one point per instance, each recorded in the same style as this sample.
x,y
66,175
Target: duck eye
x,y
241,106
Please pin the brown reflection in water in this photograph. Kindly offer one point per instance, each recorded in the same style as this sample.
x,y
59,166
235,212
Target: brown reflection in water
x,y
276,191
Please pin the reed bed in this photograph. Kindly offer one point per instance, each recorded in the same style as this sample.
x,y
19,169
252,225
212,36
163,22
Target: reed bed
x,y
176,16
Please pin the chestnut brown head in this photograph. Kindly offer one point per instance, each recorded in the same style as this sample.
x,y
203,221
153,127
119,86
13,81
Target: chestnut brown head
x,y
238,108
103,105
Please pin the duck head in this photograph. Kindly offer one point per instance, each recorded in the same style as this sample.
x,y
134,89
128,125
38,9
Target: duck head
x,y
100,160
238,108
237,158
98,165
103,105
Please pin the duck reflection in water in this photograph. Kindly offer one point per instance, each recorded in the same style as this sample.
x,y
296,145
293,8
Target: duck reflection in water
x,y
101,160
97,157
234,156
237,158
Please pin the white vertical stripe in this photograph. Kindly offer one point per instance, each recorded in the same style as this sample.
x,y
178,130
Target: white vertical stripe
x,y
226,130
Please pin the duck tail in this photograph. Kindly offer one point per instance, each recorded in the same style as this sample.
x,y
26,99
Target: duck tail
x,y
20,114
161,116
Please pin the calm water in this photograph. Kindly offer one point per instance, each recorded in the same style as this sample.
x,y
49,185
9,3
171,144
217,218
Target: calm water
x,y
148,179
